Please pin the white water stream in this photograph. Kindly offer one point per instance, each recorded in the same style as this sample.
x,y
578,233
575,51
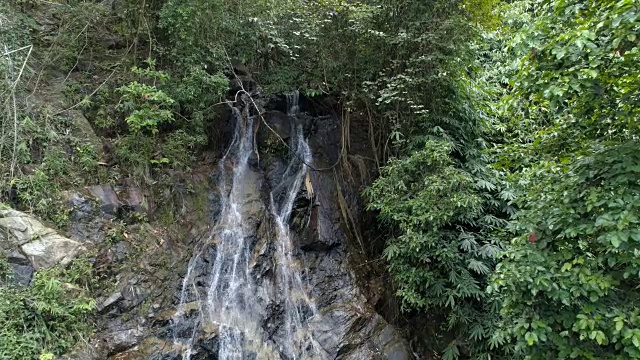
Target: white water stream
x,y
231,306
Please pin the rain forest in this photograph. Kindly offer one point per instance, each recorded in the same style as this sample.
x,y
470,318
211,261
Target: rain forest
x,y
319,179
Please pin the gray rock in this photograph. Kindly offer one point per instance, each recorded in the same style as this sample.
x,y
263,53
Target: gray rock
x,y
279,122
21,274
52,250
122,340
42,246
87,223
21,268
82,207
106,195
18,228
105,305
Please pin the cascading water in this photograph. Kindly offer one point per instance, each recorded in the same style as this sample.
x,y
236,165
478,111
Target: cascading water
x,y
293,103
236,300
298,308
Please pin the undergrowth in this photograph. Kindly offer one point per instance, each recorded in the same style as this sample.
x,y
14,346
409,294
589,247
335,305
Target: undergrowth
x,y
50,315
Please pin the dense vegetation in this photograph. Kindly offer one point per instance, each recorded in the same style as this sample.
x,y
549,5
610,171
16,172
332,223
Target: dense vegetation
x,y
49,316
505,134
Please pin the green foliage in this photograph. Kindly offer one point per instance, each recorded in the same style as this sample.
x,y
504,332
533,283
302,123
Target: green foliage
x,y
49,316
52,159
46,356
569,278
197,90
144,105
5,270
154,138
40,153
483,12
447,246
445,203
572,293
577,61
41,193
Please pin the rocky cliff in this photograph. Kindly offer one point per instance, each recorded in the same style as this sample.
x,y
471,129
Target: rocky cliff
x,y
273,280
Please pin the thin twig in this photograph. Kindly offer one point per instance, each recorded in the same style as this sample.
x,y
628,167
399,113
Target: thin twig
x,y
15,133
24,64
86,42
90,95
16,50
15,111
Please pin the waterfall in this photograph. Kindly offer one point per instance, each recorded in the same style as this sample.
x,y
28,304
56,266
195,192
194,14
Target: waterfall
x,y
298,308
293,103
235,301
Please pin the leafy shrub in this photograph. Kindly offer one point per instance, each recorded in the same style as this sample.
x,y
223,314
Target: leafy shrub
x,y
145,106
155,139
40,191
569,283
49,316
569,278
446,248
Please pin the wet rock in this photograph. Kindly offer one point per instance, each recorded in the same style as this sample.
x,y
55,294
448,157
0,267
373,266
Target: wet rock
x,y
21,274
210,348
87,223
328,303
133,295
374,339
82,207
348,327
279,122
21,268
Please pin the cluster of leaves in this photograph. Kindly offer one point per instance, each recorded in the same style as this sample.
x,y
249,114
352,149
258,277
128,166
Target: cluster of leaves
x,y
145,106
48,317
568,280
568,285
152,136
446,216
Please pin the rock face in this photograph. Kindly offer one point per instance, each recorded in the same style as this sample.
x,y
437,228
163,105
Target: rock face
x,y
334,313
349,324
29,245
165,308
